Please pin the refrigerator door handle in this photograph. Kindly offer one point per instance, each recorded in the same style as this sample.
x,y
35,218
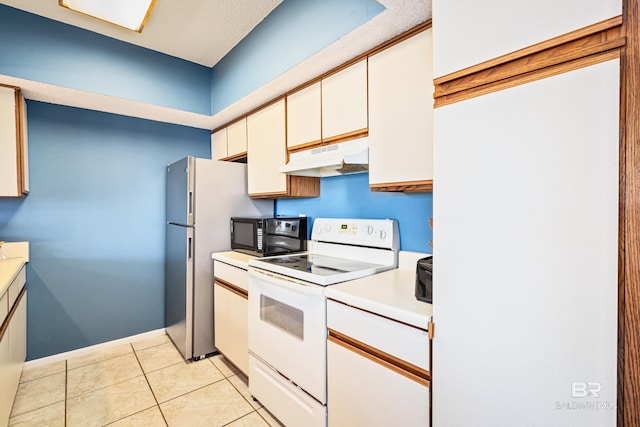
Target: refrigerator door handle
x,y
190,249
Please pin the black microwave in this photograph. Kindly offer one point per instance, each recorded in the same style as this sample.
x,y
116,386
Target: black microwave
x,y
268,236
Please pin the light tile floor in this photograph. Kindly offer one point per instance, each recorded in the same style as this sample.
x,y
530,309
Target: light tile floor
x,y
146,383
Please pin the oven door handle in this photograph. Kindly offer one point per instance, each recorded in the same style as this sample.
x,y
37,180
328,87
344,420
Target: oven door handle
x,y
285,282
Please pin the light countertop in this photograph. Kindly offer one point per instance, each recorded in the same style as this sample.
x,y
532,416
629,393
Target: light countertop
x,y
389,294
234,258
9,269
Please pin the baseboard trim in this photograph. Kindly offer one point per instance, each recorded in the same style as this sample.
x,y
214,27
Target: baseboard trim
x,y
86,350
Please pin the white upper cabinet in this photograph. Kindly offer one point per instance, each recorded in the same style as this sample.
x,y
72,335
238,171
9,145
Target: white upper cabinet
x,y
14,167
219,144
401,116
237,138
468,32
266,150
230,143
304,117
344,103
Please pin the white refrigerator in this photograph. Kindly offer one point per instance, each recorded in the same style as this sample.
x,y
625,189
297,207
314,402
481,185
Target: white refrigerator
x,y
202,195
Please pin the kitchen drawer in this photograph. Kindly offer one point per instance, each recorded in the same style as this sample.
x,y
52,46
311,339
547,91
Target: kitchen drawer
x,y
234,275
405,342
286,401
16,286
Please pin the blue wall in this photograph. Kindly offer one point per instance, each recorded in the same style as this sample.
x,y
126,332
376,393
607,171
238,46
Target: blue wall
x,y
43,50
95,214
349,197
95,218
294,31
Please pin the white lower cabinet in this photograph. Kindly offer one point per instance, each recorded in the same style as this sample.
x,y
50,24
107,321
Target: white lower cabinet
x,y
364,391
231,305
13,343
368,384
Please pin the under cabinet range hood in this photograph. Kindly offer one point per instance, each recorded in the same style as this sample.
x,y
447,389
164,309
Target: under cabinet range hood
x,y
330,160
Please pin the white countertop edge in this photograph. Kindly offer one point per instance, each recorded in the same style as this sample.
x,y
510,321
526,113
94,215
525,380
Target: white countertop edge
x,y
9,270
389,294
236,259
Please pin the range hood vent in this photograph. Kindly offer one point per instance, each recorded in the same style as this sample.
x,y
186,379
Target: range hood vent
x,y
330,160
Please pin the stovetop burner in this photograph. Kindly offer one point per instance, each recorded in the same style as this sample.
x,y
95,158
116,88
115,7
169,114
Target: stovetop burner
x,y
321,265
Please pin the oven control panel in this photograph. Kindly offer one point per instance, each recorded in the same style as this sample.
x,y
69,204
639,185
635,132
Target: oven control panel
x,y
377,233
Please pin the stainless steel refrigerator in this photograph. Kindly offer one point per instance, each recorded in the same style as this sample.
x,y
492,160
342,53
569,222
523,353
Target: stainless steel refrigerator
x,y
202,196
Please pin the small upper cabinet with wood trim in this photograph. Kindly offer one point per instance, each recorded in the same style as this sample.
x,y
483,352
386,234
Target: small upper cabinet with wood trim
x,y
14,164
267,152
304,117
344,104
230,143
237,139
219,144
401,116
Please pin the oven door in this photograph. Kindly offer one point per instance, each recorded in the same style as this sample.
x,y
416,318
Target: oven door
x,y
287,329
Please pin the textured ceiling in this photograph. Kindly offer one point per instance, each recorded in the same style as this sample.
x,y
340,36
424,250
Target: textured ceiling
x,y
399,16
200,31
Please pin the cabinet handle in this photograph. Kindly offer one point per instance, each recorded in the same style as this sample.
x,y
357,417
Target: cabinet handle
x,y
414,373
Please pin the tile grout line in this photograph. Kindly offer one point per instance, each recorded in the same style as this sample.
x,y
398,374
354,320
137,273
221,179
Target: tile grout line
x,y
149,384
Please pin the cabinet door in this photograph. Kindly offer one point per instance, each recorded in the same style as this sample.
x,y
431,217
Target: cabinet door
x,y
344,103
364,392
539,162
18,341
219,144
231,325
237,138
13,155
401,114
304,117
469,32
266,150
7,394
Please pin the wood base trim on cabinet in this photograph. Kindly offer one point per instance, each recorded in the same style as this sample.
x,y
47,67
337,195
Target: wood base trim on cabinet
x,y
528,77
305,146
235,157
558,55
232,288
12,311
387,360
297,187
303,186
548,46
360,133
407,187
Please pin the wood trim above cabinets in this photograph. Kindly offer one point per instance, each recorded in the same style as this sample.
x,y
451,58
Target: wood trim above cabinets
x,y
407,187
593,44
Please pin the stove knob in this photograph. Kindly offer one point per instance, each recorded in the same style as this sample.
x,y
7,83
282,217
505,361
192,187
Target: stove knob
x,y
383,234
327,227
369,229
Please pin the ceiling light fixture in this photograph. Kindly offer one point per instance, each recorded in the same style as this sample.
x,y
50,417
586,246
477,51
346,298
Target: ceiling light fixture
x,y
130,14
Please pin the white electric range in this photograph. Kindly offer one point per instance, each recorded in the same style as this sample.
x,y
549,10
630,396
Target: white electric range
x,y
287,312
